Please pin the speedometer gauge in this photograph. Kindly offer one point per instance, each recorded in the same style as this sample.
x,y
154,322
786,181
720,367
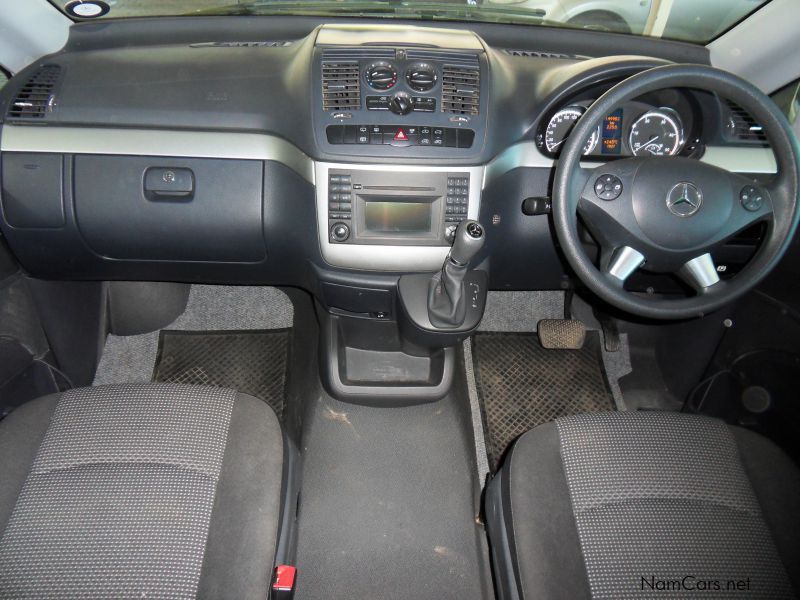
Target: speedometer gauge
x,y
656,133
561,124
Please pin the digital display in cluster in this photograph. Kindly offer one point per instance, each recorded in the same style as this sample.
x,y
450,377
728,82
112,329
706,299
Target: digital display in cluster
x,y
612,133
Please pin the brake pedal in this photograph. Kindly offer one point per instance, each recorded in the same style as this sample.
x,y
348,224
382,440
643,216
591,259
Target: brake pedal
x,y
561,334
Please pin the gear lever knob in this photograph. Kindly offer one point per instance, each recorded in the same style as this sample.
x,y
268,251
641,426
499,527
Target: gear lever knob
x,y
469,239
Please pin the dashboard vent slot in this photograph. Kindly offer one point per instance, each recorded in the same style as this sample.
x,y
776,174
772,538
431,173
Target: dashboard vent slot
x,y
445,55
257,44
341,89
461,89
542,54
742,126
36,99
358,53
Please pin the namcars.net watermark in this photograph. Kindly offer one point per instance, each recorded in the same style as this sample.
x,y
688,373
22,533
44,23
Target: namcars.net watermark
x,y
692,583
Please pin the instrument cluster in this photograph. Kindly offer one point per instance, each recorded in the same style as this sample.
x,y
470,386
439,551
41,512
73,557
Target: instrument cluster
x,y
636,128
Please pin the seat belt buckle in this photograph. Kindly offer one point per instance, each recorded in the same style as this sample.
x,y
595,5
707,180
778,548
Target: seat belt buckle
x,y
283,583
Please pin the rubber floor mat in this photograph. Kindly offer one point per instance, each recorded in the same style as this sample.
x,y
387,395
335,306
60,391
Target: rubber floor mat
x,y
522,385
252,362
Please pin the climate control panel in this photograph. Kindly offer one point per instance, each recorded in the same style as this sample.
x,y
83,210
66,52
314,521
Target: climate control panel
x,y
393,98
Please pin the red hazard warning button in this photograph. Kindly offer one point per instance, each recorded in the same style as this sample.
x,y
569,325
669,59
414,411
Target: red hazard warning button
x,y
400,136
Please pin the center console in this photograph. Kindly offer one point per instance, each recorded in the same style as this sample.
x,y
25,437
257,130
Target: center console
x,y
387,104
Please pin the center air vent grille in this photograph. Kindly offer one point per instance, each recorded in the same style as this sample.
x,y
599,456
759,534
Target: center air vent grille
x,y
741,125
461,87
36,99
341,89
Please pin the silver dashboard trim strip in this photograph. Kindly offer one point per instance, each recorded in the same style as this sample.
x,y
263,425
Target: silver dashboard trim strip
x,y
155,142
737,159
379,257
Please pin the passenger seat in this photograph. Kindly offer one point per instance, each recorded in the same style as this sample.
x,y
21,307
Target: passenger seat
x,y
644,504
141,490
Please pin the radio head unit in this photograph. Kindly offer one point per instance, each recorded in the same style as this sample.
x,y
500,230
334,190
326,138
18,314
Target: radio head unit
x,y
396,207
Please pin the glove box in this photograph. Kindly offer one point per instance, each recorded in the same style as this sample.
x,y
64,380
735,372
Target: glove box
x,y
170,209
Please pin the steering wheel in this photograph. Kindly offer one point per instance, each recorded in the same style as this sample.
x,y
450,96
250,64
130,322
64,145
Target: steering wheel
x,y
667,214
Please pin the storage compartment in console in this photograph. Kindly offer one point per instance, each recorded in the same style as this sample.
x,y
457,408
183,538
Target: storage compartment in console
x,y
170,209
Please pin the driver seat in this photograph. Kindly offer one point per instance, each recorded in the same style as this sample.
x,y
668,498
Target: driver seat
x,y
631,505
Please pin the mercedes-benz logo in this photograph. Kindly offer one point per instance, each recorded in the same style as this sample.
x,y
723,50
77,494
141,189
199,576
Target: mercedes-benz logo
x,y
684,199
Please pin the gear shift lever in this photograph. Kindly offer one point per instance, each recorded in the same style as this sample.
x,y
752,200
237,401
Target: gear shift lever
x,y
446,302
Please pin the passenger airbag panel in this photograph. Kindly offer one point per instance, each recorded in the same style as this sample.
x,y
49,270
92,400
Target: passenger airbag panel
x,y
220,220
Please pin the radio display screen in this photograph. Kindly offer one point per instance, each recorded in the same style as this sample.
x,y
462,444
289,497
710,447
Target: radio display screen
x,y
398,217
612,133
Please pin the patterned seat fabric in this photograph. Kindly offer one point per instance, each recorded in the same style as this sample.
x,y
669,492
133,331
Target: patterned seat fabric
x,y
646,504
118,502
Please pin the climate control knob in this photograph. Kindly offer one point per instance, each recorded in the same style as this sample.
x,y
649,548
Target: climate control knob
x,y
401,104
340,232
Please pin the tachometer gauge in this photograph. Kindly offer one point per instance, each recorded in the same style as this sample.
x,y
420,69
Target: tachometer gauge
x,y
656,133
561,124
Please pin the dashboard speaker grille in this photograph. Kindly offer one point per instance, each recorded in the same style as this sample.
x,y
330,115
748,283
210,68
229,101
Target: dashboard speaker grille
x,y
541,54
254,44
742,126
461,87
341,89
36,99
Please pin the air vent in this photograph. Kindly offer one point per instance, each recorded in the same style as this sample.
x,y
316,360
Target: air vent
x,y
461,89
340,85
740,125
442,55
36,99
542,54
270,44
357,53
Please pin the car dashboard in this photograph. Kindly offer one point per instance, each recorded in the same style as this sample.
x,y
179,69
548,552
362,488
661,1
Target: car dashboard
x,y
346,155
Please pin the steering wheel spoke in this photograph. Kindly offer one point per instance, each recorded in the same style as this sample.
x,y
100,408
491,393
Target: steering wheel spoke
x,y
622,263
700,273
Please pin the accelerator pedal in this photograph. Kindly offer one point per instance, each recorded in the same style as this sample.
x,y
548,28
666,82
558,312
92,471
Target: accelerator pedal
x,y
561,334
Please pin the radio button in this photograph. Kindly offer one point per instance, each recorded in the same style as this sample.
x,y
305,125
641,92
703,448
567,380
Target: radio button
x,y
340,232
